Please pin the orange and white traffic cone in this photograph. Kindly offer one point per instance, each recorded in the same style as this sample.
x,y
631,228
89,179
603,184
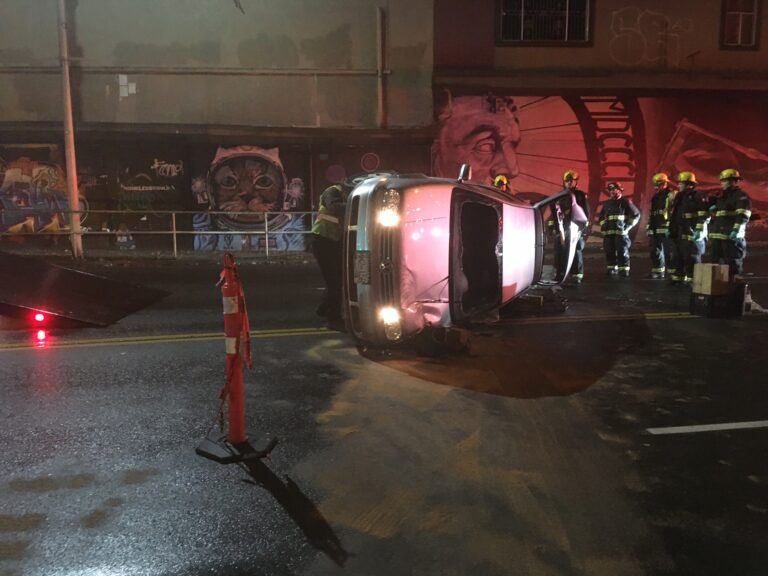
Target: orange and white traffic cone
x,y
233,447
237,341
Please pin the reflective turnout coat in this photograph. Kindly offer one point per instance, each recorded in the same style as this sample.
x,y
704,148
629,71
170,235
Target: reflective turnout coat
x,y
661,211
730,212
617,217
690,214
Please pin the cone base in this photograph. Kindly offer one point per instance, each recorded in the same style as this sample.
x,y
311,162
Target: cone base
x,y
215,447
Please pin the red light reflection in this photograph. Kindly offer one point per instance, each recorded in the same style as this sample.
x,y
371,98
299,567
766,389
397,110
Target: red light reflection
x,y
39,317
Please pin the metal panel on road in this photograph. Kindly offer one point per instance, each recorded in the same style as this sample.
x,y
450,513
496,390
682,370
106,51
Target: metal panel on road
x,y
32,284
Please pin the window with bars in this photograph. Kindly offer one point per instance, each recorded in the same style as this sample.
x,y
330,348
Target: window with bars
x,y
740,22
544,21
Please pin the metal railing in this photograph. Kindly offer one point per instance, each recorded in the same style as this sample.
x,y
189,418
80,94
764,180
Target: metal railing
x,y
140,219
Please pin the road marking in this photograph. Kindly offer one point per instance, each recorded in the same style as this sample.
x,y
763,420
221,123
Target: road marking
x,y
709,427
277,333
161,339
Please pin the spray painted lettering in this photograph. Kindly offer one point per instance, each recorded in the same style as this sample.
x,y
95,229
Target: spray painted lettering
x,y
645,37
168,169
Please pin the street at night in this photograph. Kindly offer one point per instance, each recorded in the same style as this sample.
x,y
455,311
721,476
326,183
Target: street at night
x,y
530,455
384,288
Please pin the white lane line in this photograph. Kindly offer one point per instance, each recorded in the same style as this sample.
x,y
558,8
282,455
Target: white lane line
x,y
709,427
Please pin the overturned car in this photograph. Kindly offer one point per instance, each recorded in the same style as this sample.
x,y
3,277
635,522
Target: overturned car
x,y
423,252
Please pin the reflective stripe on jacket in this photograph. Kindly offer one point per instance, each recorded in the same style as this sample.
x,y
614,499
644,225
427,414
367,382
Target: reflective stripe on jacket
x,y
618,217
730,213
690,214
661,211
330,213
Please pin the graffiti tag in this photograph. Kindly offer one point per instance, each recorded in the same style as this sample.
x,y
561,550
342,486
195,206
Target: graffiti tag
x,y
168,169
646,37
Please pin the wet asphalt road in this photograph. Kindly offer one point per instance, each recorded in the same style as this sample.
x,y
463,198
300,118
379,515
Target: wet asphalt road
x,y
531,455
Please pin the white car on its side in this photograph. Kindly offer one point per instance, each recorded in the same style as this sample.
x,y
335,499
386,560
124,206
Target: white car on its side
x,y
423,252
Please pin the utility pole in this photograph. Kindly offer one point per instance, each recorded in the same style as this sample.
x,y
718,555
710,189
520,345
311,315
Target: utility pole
x,y
75,236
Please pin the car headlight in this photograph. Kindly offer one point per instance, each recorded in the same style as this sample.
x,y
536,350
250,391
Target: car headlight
x,y
390,317
389,215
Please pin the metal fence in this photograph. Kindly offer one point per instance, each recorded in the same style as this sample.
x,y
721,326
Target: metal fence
x,y
176,225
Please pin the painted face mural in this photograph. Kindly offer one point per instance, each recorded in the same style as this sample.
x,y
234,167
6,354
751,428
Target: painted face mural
x,y
250,185
513,136
246,179
481,131
534,139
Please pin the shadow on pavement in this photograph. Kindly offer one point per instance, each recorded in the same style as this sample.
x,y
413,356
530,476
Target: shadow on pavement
x,y
300,508
527,361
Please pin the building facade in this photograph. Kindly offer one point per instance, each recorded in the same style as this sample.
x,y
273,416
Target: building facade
x,y
246,106
616,90
233,105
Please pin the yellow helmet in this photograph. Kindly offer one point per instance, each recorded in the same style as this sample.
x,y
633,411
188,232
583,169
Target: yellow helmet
x,y
730,174
500,180
570,175
686,177
660,178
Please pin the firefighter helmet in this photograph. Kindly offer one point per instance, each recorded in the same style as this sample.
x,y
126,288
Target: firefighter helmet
x,y
686,177
730,174
570,175
501,181
660,178
615,186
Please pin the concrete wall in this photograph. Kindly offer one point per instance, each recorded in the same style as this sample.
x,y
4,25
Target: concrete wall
x,y
644,44
126,48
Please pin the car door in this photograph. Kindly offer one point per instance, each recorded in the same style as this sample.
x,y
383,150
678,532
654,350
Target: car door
x,y
569,226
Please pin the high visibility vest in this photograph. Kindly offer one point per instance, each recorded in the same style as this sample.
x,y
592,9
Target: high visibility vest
x,y
326,224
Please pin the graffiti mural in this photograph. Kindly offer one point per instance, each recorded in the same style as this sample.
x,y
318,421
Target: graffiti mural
x,y
33,192
249,185
514,136
147,183
644,37
705,153
534,139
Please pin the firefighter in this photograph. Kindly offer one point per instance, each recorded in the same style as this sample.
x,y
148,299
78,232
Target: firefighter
x,y
617,217
563,206
326,247
502,183
688,226
658,227
730,212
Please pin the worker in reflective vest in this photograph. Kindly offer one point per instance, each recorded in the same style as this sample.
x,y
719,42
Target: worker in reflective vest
x,y
326,247
617,217
661,247
730,213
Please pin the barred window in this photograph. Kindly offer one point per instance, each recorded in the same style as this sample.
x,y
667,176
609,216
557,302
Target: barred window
x,y
547,21
740,23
